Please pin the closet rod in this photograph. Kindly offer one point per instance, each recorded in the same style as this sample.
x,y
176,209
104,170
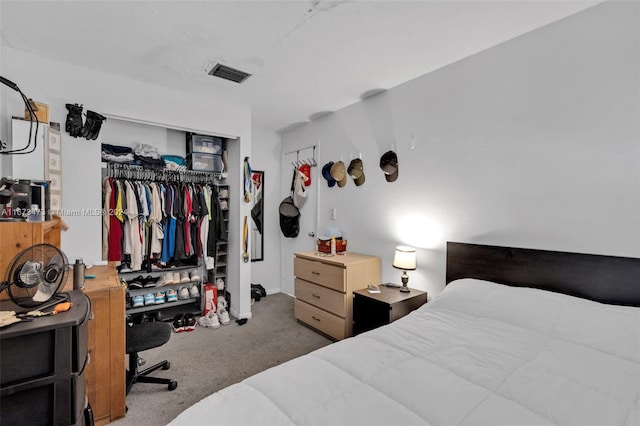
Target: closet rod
x,y
129,171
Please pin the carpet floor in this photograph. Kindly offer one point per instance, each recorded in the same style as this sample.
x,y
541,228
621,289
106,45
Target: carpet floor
x,y
204,361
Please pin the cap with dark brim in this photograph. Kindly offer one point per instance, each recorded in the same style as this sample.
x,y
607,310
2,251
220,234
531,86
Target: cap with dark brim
x,y
326,173
356,171
389,165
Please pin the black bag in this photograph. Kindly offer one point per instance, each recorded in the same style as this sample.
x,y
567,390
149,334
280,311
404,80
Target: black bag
x,y
289,218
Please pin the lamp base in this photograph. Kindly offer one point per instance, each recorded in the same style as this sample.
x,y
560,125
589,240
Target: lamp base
x,y
405,281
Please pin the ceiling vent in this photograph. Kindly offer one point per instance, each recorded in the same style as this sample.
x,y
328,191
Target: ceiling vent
x,y
229,73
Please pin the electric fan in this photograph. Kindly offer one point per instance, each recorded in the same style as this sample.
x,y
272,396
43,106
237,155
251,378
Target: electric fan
x,y
35,276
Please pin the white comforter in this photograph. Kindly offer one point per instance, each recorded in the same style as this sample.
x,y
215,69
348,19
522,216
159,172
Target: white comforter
x,y
479,354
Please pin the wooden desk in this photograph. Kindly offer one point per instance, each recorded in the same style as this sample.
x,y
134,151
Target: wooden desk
x,y
105,373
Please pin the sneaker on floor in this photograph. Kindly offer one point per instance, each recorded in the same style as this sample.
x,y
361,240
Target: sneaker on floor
x,y
223,315
194,275
137,301
172,295
184,276
219,284
159,297
189,322
178,323
222,303
210,320
149,299
194,291
183,293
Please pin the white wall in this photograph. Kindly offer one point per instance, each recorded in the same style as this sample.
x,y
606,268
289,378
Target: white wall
x,y
533,143
56,83
265,155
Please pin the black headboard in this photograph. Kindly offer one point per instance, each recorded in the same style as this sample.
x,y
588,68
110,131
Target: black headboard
x,y
607,279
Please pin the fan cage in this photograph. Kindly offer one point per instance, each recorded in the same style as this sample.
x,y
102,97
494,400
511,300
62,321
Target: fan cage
x,y
52,276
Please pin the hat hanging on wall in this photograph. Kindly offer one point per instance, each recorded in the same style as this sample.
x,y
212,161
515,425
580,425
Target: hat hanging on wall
x,y
356,171
338,173
389,165
326,173
305,169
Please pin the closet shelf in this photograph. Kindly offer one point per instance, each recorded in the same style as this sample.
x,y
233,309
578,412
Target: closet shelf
x,y
161,306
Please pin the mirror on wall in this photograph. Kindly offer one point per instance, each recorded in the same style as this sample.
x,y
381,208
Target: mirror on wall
x,y
257,215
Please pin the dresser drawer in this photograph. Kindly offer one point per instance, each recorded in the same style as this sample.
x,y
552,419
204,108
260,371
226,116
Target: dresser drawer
x,y
322,297
323,321
320,273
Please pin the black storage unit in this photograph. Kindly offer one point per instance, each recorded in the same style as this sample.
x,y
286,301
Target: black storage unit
x,y
204,153
42,367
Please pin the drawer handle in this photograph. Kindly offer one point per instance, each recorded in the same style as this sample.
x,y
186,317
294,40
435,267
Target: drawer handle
x,y
317,319
315,295
315,273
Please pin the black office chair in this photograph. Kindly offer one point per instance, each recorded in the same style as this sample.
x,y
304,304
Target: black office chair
x,y
141,337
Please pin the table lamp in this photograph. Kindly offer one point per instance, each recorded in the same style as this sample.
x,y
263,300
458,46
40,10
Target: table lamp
x,y
405,259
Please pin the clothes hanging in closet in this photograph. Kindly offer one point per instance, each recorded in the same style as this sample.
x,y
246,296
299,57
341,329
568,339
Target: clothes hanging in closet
x,y
160,221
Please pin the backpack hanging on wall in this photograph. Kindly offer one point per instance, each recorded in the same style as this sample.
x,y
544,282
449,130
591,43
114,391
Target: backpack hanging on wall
x,y
289,218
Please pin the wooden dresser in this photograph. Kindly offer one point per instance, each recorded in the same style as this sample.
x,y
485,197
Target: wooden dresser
x,y
324,288
105,373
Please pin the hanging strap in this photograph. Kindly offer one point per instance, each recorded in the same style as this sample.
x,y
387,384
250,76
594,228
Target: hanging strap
x,y
247,180
245,241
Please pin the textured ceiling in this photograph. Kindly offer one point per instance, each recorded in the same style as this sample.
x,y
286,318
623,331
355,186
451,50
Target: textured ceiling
x,y
306,57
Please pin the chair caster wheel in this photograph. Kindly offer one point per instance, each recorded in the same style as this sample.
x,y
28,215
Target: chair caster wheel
x,y
167,366
173,385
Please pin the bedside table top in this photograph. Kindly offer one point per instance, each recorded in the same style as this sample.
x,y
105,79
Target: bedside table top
x,y
390,295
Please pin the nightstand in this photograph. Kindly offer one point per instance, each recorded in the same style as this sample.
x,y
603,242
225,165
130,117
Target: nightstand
x,y
371,310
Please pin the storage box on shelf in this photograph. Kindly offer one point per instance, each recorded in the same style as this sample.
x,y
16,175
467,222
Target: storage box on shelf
x,y
205,162
204,153
204,144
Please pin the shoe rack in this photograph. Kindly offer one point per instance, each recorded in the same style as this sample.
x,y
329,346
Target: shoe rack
x,y
221,254
190,304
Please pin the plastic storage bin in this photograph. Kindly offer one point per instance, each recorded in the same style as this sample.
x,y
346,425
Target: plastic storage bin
x,y
205,162
204,144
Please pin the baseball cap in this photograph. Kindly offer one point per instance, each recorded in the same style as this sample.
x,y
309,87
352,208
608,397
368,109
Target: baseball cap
x,y
326,173
389,165
356,171
338,173
306,170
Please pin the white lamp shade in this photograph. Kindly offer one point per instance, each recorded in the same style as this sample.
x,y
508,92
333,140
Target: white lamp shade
x,y
405,258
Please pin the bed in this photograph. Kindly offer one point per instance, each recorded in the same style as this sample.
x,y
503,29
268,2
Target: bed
x,y
518,337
